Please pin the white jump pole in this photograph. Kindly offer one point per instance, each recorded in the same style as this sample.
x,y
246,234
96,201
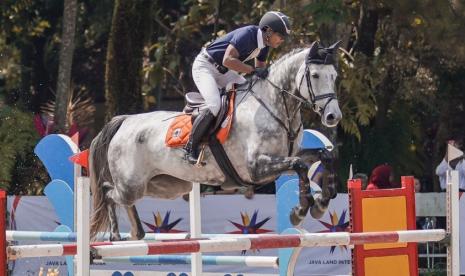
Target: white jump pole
x,y
71,236
120,249
452,204
82,259
196,227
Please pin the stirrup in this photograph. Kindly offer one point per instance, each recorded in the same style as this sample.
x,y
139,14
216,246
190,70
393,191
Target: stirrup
x,y
192,160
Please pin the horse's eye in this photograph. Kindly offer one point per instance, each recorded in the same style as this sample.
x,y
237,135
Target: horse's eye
x,y
315,75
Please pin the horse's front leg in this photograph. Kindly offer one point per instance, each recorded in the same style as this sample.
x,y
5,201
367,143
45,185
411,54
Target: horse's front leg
x,y
328,186
265,166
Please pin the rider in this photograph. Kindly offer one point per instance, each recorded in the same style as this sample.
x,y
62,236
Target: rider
x,y
221,62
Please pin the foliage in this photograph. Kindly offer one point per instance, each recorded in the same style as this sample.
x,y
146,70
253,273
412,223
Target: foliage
x,y
400,102
9,65
182,28
327,12
18,138
356,94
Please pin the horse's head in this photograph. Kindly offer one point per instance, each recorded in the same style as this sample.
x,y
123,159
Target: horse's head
x,y
316,80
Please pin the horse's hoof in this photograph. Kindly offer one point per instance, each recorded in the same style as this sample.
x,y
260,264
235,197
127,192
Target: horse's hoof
x,y
295,217
115,237
140,235
93,255
317,213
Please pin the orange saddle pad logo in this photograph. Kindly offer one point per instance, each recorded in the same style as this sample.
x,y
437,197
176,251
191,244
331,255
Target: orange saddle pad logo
x,y
181,127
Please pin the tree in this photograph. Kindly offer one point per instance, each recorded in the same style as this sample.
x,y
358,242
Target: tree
x,y
123,77
65,64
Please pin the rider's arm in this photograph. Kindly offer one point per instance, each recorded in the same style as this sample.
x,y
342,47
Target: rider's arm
x,y
231,61
260,60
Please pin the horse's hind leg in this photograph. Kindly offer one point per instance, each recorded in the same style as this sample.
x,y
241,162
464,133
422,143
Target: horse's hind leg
x,y
114,229
137,231
126,196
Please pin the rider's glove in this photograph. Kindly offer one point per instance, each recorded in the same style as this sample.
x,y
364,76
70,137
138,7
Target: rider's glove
x,y
261,72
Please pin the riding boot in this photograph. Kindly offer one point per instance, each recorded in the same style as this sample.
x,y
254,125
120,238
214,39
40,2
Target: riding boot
x,y
199,128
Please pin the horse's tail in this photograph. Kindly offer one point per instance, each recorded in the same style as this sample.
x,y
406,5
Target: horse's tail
x,y
100,175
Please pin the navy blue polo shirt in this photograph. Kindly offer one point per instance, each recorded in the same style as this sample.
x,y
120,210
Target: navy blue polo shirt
x,y
246,40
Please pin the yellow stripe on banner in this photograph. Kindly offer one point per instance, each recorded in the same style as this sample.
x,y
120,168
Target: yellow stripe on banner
x,y
384,214
387,266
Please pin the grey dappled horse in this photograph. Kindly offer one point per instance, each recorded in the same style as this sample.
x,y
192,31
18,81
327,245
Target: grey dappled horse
x,y
129,158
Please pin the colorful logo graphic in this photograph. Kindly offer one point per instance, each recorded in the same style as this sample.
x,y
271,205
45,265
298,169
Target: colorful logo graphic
x,y
250,226
336,225
163,225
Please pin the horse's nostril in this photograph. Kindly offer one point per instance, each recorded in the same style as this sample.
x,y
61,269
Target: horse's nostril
x,y
330,117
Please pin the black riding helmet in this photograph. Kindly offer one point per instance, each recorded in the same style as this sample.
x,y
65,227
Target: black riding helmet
x,y
277,21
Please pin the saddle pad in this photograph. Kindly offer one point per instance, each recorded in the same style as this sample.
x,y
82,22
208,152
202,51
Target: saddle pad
x,y
180,129
178,132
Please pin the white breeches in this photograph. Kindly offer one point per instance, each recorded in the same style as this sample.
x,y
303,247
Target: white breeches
x,y
209,82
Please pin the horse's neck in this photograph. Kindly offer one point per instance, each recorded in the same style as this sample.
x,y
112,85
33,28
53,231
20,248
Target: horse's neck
x,y
282,74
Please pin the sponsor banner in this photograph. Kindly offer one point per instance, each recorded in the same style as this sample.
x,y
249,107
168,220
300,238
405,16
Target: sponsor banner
x,y
220,214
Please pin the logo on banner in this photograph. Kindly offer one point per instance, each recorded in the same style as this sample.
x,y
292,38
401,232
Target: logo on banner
x,y
163,224
250,225
336,225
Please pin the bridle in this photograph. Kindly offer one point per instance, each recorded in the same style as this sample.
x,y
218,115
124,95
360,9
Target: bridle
x,y
291,133
314,98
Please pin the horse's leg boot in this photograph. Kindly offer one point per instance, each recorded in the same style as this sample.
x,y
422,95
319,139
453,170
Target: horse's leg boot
x,y
199,128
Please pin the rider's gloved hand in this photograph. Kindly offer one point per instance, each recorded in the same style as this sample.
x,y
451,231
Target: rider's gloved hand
x,y
261,72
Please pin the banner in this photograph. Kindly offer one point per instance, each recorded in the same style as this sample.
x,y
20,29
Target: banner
x,y
220,214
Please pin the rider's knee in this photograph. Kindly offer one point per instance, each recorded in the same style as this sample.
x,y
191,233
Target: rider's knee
x,y
214,109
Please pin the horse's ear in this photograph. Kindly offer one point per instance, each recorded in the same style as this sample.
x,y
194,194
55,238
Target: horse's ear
x,y
335,45
314,49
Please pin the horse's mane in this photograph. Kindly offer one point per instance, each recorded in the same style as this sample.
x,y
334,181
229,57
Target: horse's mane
x,y
285,68
286,56
280,72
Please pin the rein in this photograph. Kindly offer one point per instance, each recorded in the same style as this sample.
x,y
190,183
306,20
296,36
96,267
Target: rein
x,y
291,133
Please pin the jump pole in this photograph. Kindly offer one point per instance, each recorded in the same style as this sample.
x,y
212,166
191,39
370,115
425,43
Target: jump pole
x,y
248,261
72,237
114,249
195,227
453,230
82,259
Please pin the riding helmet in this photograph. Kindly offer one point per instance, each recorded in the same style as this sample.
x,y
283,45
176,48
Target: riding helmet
x,y
277,21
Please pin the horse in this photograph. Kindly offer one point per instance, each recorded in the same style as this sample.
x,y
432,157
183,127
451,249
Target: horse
x,y
129,159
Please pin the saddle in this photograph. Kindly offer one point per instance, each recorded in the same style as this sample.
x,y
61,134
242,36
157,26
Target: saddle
x,y
180,129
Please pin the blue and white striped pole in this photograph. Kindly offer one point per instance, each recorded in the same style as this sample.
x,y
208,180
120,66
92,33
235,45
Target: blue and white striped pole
x,y
249,261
